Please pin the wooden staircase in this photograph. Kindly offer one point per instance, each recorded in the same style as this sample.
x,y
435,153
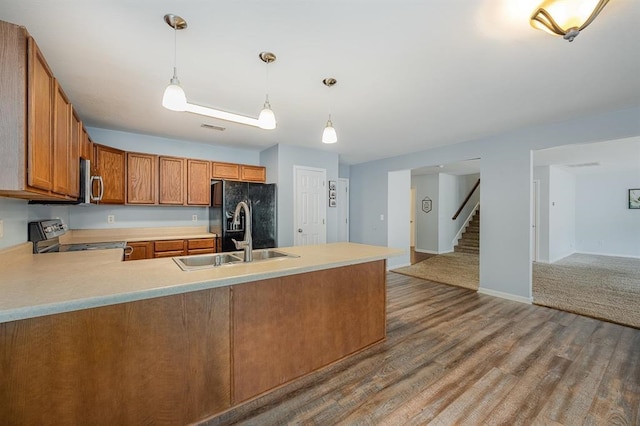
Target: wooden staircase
x,y
470,240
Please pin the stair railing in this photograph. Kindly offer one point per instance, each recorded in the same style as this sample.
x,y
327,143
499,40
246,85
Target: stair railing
x,y
466,200
455,240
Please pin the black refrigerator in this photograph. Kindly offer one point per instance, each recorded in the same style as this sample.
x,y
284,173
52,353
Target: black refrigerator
x,y
261,197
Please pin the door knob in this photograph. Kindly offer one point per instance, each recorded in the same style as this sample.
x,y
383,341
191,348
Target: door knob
x,y
300,230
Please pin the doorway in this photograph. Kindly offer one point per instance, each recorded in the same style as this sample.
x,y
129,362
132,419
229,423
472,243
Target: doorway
x,y
342,202
309,206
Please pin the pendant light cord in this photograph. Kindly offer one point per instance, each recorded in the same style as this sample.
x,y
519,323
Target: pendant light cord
x,y
175,52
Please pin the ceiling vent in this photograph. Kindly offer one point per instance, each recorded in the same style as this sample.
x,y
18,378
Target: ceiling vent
x,y
593,164
212,127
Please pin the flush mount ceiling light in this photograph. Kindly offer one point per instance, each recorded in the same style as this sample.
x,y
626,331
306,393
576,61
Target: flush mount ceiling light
x,y
175,99
329,134
566,17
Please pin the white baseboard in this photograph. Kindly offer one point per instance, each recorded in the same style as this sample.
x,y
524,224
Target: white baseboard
x,y
630,256
508,296
426,251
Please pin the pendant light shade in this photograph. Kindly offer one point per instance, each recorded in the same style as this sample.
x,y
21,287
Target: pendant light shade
x,y
566,17
329,134
174,97
267,119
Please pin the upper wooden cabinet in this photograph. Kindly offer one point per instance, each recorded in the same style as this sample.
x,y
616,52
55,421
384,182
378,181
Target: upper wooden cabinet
x,y
86,146
37,155
110,164
172,177
244,172
74,155
61,142
40,120
198,182
228,171
253,173
142,177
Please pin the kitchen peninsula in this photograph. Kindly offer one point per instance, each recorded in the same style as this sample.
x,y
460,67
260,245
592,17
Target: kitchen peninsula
x,y
88,339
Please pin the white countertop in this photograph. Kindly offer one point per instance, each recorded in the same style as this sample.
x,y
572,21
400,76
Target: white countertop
x,y
43,284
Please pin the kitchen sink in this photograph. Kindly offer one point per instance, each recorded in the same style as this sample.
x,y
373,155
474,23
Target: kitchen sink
x,y
265,254
205,261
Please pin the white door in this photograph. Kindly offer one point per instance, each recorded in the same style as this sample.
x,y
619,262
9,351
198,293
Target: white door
x,y
309,206
535,219
342,201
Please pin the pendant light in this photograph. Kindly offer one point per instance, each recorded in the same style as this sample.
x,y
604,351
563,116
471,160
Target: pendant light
x,y
566,17
174,97
267,119
329,134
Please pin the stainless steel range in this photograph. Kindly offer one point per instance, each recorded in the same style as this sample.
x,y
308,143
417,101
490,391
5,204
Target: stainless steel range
x,y
44,234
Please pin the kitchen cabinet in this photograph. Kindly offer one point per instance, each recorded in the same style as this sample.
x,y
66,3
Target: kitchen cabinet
x,y
169,248
40,120
110,164
228,171
61,142
74,155
253,173
198,182
38,155
243,172
201,246
86,148
172,178
139,250
142,178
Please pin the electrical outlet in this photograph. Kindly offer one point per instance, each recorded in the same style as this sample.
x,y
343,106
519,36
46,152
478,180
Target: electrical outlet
x,y
1,228
111,218
381,217
194,218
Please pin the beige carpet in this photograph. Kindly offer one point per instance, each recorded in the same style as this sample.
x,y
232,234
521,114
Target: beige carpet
x,y
604,287
459,269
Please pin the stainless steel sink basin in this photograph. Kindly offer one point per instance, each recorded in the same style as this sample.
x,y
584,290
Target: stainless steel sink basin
x,y
205,261
265,254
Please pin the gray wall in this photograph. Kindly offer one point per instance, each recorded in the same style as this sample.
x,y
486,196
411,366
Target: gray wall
x,y
506,171
279,161
427,223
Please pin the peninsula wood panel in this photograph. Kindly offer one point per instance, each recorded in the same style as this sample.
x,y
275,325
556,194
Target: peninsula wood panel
x,y
284,328
172,180
40,122
142,178
157,361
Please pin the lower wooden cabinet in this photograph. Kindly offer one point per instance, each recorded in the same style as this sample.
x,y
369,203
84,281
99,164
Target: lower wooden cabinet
x,y
139,250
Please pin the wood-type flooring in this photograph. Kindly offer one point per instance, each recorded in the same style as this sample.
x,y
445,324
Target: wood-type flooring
x,y
453,356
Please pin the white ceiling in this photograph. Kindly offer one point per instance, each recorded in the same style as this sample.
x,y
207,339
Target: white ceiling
x,y
411,74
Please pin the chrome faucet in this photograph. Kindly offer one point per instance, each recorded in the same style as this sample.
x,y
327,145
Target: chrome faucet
x,y
247,244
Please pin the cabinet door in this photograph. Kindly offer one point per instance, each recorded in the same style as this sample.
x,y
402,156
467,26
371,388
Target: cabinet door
x,y
40,117
198,182
139,250
225,171
74,155
86,150
110,164
61,141
253,173
172,180
141,178
169,248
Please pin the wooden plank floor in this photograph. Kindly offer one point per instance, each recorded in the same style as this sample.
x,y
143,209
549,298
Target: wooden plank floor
x,y
453,356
